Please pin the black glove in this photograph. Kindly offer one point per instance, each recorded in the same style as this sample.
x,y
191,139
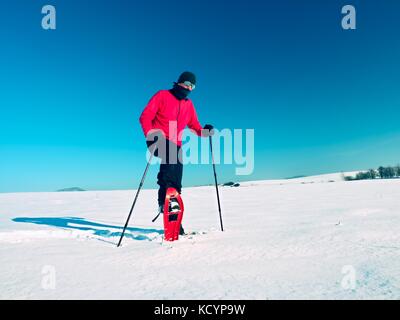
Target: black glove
x,y
153,140
210,129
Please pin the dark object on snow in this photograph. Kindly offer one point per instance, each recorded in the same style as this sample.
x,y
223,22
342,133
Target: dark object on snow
x,y
231,184
73,189
228,184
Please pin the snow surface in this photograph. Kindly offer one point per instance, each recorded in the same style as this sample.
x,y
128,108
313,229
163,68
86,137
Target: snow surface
x,y
284,239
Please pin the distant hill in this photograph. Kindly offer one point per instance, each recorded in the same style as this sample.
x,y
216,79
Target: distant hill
x,y
73,189
295,177
323,178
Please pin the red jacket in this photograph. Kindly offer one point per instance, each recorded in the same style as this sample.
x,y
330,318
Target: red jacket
x,y
167,113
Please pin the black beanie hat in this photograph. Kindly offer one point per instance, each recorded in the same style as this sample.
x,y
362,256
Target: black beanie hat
x,y
187,76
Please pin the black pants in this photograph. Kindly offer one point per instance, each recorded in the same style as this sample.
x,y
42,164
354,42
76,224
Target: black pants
x,y
171,170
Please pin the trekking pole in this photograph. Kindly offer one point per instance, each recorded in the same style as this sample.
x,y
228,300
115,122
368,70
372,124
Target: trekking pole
x,y
216,184
136,197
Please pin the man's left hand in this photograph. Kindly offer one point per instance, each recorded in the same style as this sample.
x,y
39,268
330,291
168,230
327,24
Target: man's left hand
x,y
209,130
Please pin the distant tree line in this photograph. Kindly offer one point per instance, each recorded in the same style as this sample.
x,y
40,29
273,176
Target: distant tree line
x,y
380,173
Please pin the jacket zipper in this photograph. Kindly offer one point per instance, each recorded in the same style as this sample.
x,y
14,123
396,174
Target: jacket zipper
x,y
179,111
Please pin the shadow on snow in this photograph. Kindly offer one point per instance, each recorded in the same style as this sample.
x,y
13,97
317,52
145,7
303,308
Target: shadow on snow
x,y
98,229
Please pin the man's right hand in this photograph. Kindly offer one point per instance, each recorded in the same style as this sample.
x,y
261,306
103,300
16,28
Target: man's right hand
x,y
153,140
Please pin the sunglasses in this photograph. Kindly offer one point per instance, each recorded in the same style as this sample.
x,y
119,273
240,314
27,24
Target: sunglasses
x,y
190,85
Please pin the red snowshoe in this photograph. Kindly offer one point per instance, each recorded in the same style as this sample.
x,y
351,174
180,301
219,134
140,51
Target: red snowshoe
x,y
173,214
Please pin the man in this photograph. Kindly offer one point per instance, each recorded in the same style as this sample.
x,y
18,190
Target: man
x,y
163,120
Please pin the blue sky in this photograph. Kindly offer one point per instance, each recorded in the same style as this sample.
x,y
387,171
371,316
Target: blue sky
x,y
320,99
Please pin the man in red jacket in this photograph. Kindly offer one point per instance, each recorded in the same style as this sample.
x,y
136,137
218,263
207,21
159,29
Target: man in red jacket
x,y
163,120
